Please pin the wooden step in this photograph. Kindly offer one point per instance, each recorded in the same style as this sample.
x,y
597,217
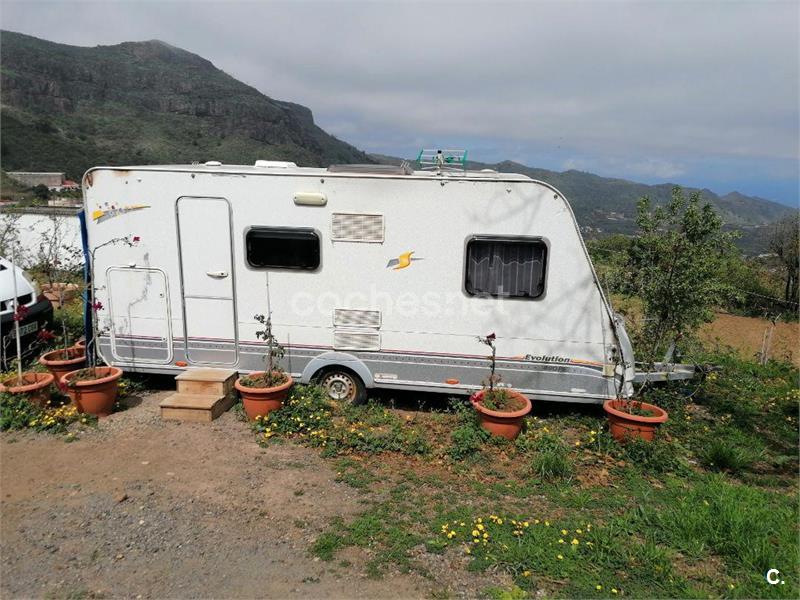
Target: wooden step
x,y
206,382
195,407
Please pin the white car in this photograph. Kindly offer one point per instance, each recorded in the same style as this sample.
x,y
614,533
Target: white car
x,y
36,313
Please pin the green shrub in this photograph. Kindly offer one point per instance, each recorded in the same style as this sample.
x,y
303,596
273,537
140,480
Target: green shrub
x,y
720,455
550,457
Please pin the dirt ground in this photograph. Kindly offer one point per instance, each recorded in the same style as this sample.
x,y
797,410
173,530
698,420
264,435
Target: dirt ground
x,y
145,508
746,335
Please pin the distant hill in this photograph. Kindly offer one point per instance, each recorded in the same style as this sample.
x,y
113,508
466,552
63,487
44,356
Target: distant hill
x,y
67,108
605,206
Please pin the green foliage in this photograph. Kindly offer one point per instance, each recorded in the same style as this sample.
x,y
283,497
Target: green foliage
x,y
674,264
749,528
720,454
379,529
551,460
16,412
308,415
467,437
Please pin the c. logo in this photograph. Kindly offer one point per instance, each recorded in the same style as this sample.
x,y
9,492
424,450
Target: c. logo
x,y
773,577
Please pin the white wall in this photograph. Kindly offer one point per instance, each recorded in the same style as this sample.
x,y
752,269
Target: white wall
x,y
33,230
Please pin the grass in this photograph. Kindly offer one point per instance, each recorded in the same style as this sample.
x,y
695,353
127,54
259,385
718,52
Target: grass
x,y
704,510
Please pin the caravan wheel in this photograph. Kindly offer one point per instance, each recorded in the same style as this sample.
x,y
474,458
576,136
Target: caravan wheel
x,y
343,386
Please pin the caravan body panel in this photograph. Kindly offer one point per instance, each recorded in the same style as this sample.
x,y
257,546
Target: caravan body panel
x,y
373,273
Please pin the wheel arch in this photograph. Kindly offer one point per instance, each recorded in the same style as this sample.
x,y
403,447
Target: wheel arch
x,y
337,359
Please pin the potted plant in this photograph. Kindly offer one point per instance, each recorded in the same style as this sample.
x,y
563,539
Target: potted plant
x,y
631,418
264,391
501,410
36,386
94,389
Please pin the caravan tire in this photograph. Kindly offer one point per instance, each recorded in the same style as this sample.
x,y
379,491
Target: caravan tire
x,y
342,385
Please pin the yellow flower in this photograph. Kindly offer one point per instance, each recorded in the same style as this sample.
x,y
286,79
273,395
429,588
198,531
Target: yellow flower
x,y
526,573
475,533
579,531
574,542
598,587
613,590
560,557
564,532
578,443
480,526
547,523
561,541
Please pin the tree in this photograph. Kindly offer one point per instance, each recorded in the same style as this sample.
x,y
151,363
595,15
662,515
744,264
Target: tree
x,y
675,266
785,243
41,192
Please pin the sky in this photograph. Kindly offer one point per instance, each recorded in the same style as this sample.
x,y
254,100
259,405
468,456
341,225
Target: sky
x,y
701,93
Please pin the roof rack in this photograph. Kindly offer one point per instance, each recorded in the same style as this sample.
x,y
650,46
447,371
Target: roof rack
x,y
402,169
440,160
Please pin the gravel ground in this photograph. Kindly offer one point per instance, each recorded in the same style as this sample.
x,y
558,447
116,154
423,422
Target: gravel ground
x,y
145,508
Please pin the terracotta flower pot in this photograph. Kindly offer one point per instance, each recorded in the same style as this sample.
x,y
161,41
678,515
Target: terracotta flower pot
x,y
59,366
262,401
81,344
93,396
504,424
36,386
624,426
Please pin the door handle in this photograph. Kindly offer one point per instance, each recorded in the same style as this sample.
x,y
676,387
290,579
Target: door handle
x,y
217,274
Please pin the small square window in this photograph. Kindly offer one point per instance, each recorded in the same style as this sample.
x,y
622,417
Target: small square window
x,y
506,267
282,248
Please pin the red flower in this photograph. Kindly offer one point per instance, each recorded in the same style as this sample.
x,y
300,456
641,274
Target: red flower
x,y
97,306
491,337
136,238
21,312
45,336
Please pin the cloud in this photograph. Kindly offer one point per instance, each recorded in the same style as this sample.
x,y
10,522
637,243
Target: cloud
x,y
606,82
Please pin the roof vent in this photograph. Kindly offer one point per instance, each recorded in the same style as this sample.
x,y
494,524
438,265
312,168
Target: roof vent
x,y
274,164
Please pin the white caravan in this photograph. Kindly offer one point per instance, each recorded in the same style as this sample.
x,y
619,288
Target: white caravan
x,y
378,277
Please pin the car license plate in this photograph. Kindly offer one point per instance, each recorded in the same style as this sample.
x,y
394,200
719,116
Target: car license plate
x,y
23,330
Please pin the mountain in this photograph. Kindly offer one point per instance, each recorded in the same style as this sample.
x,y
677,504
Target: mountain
x,y
605,206
67,108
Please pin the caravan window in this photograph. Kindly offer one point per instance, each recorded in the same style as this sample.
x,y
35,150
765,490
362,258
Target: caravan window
x,y
506,267
282,248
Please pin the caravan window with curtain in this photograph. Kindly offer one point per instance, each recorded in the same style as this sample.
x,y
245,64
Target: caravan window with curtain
x,y
506,267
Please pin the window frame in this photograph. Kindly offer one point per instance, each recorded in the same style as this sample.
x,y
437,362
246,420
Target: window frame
x,y
505,238
312,230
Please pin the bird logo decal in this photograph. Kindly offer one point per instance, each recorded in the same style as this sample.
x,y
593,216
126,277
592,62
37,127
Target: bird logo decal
x,y
110,211
402,261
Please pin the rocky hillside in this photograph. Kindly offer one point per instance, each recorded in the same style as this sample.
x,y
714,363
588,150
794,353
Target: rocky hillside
x,y
67,108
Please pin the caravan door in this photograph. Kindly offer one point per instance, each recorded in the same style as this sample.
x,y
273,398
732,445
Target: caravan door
x,y
205,251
